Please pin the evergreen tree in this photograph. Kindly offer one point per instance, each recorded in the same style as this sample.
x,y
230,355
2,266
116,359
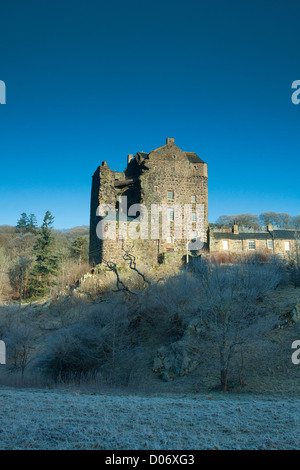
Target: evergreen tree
x,y
22,223
27,223
32,223
79,247
45,266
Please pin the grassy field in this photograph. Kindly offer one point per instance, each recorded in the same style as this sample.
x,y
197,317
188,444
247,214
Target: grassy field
x,y
67,419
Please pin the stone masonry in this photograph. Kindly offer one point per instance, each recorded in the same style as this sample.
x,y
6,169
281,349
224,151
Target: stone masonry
x,y
167,175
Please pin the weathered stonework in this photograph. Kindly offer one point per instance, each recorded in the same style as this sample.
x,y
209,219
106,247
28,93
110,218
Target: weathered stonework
x,y
147,180
279,242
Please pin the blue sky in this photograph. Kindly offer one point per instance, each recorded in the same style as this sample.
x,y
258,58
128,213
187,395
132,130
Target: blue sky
x,y
91,80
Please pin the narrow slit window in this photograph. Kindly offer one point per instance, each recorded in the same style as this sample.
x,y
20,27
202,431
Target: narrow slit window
x,y
171,214
170,195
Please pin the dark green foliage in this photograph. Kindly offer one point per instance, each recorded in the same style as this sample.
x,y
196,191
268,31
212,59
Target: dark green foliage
x,y
27,223
79,248
45,266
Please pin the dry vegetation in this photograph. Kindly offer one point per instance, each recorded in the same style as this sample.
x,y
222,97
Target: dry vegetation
x,y
214,326
124,359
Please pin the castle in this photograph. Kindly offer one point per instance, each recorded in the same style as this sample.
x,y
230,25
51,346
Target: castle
x,y
170,177
166,176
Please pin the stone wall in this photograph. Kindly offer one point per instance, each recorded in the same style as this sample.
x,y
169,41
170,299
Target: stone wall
x,y
239,242
147,180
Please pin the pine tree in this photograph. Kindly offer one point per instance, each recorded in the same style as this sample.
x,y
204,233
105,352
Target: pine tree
x,y
32,223
22,223
79,245
27,223
45,266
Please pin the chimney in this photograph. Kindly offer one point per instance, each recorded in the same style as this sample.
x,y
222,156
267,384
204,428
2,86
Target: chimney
x,y
235,229
129,158
269,228
170,140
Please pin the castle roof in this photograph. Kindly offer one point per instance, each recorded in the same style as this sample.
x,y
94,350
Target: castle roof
x,y
193,157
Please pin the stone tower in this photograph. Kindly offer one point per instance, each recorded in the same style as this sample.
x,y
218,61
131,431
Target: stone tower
x,y
167,175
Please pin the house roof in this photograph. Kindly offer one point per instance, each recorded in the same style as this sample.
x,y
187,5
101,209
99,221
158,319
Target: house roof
x,y
241,236
286,234
276,234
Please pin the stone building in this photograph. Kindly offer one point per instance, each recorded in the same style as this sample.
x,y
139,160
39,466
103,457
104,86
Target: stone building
x,y
166,176
280,242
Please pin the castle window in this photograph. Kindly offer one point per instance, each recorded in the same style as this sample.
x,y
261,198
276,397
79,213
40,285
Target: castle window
x,y
174,156
194,217
270,244
225,245
287,246
251,244
170,195
194,236
193,198
170,240
171,214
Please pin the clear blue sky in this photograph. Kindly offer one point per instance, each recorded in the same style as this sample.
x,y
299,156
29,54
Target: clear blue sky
x,y
92,80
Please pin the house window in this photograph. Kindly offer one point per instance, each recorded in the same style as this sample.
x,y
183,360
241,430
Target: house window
x,y
225,245
170,214
170,240
251,245
170,195
270,244
193,198
194,217
287,246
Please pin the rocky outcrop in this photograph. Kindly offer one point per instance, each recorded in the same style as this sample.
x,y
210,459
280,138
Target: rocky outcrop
x,y
179,358
295,314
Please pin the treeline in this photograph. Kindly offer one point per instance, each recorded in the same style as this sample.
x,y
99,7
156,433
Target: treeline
x,y
259,222
35,260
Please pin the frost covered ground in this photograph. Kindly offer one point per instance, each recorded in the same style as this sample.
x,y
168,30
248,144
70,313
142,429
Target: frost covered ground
x,y
64,419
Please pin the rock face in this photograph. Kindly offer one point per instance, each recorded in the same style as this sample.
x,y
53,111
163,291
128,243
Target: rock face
x,y
178,359
295,315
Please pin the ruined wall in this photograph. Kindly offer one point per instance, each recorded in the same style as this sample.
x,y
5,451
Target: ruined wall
x,y
147,180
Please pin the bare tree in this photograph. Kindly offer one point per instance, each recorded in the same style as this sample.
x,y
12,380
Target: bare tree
x,y
17,276
4,267
228,311
20,341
